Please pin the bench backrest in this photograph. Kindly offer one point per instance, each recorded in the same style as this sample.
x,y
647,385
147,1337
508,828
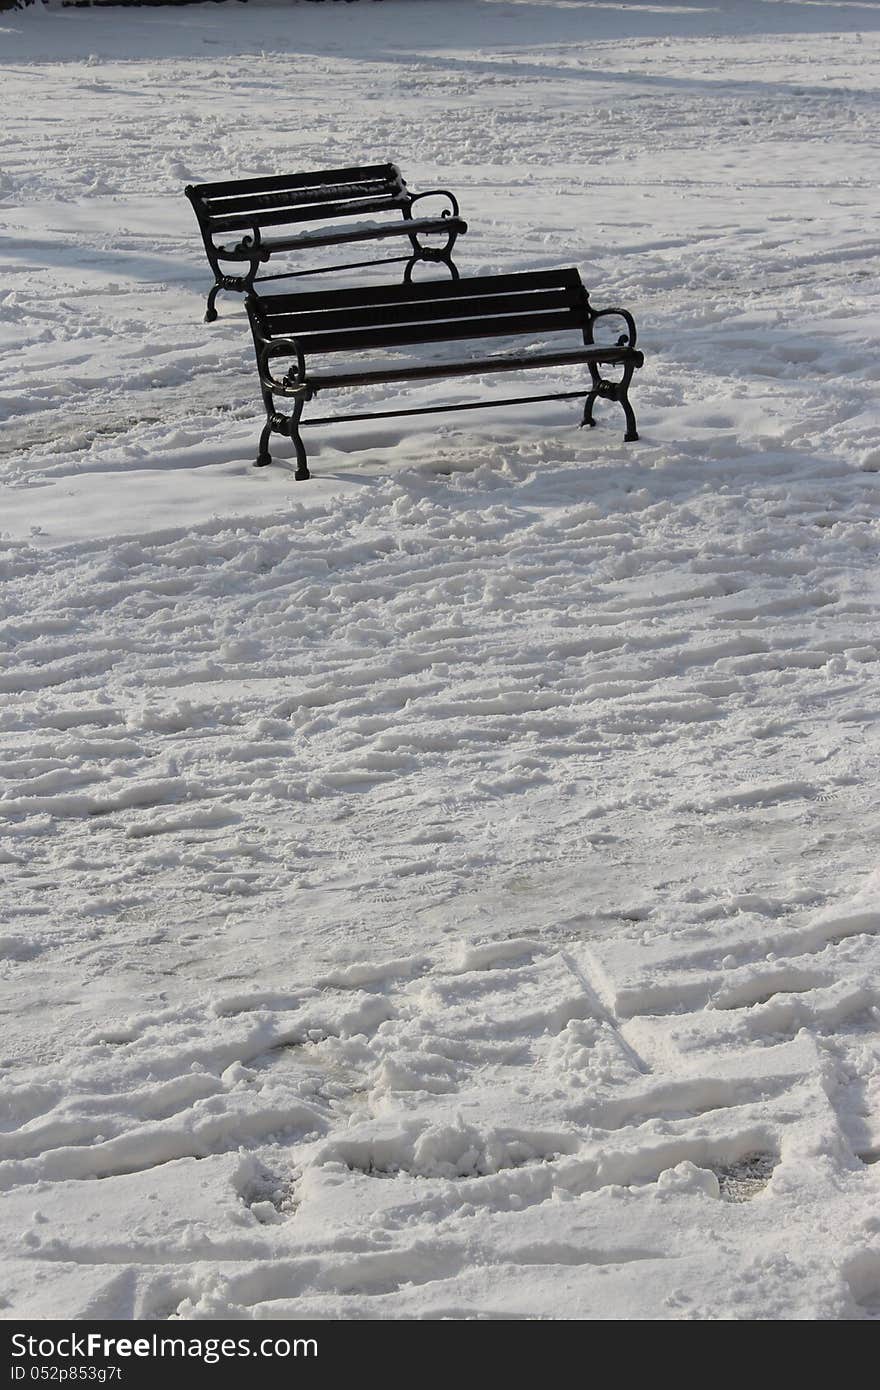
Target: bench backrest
x,y
242,204
531,303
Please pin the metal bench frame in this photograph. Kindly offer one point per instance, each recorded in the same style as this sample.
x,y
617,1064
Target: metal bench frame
x,y
249,207
531,304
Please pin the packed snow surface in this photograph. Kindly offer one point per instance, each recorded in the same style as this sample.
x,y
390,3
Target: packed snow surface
x,y
448,888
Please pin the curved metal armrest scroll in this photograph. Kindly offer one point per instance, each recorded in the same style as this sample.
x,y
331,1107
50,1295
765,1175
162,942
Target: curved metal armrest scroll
x,y
252,242
452,210
294,379
627,339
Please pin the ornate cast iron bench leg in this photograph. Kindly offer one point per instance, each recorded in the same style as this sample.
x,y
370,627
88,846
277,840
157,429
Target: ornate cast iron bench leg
x,y
210,310
429,256
264,458
433,255
287,425
612,391
302,467
243,284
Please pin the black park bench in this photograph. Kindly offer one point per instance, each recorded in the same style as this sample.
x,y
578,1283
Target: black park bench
x,y
345,323
246,222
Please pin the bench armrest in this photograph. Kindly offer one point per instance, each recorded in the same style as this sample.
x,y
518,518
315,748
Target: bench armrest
x,y
627,339
294,380
451,211
250,244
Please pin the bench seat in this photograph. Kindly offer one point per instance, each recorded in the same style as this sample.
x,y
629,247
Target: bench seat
x,y
611,356
367,231
530,306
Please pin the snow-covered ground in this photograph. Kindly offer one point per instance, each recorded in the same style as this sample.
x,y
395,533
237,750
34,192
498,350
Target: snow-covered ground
x,y
448,888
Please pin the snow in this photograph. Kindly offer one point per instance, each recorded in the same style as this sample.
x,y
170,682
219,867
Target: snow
x,y
447,888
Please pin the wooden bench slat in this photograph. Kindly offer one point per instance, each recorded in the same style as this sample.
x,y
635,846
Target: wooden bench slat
x,y
244,221
272,182
336,192
511,283
339,237
611,356
359,340
424,312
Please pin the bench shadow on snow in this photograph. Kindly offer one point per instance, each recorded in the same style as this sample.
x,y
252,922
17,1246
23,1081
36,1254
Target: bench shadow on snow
x,y
708,435
142,268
